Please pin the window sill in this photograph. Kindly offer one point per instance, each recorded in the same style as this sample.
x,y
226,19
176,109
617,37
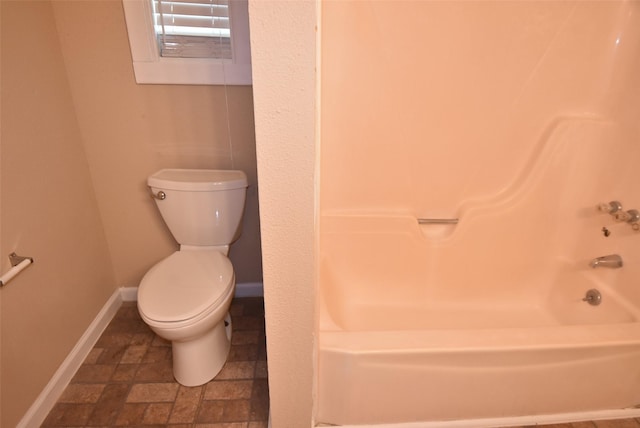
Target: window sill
x,y
191,72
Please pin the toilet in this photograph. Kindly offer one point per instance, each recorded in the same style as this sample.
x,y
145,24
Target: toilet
x,y
185,297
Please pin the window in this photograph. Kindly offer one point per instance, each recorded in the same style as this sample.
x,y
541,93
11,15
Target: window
x,y
199,42
192,28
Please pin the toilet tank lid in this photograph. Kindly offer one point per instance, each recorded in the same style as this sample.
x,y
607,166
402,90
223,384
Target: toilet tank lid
x,y
198,179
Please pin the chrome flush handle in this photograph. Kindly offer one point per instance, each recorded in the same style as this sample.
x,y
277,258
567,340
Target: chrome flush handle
x,y
160,195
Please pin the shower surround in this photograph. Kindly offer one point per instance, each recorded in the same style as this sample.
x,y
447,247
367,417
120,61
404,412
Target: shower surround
x,y
511,121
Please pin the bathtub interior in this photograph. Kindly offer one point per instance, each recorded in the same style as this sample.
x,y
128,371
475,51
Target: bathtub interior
x,y
518,259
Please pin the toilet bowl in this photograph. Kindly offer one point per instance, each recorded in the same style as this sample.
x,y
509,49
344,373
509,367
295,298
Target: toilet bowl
x,y
185,297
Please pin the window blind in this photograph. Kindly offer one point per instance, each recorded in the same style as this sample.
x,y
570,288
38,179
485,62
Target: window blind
x,y
193,28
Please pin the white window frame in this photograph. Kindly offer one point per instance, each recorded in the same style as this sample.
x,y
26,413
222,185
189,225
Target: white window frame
x,y
150,67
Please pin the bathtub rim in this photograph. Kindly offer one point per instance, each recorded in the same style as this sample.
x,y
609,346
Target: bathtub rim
x,y
480,340
512,421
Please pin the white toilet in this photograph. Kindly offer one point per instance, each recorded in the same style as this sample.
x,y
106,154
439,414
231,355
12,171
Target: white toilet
x,y
185,298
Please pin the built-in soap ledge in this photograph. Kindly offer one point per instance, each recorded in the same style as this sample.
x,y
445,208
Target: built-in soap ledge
x,y
437,227
437,221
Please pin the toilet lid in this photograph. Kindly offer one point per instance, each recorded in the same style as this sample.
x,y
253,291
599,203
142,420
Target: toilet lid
x,y
184,285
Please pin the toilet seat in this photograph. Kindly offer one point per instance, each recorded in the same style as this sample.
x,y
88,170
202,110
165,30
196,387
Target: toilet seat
x,y
185,285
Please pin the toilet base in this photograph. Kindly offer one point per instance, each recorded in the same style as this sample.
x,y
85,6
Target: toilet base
x,y
197,361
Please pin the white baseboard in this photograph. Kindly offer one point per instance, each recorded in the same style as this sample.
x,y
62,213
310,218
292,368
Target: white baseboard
x,y
243,289
40,408
129,294
249,289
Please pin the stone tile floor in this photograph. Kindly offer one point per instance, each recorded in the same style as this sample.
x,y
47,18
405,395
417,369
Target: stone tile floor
x,y
127,379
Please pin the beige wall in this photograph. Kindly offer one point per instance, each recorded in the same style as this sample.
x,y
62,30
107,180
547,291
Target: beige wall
x,y
79,138
49,211
129,131
285,97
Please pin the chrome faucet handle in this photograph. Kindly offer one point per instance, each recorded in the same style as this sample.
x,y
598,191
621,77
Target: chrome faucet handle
x,y
610,208
621,216
634,216
630,216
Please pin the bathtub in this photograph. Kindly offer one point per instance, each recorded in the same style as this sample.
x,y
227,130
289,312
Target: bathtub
x,y
415,329
485,318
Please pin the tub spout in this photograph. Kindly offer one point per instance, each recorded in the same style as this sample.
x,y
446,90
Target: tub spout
x,y
612,261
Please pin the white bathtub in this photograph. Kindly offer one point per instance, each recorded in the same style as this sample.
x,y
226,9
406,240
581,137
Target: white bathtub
x,y
482,320
410,332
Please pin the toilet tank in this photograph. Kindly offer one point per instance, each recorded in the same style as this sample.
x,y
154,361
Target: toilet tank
x,y
201,207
